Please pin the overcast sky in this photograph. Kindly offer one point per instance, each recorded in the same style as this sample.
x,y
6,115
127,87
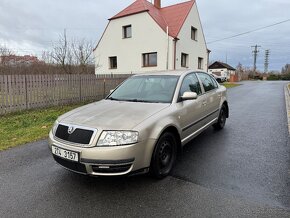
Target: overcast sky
x,y
31,26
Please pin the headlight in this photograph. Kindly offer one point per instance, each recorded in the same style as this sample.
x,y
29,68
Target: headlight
x,y
116,138
54,127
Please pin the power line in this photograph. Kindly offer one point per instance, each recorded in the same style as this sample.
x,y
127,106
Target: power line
x,y
250,31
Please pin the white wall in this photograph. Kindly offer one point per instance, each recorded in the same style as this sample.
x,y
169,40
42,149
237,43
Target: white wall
x,y
224,72
147,37
191,47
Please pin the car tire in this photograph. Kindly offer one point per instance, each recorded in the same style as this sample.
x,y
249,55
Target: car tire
x,y
221,119
164,156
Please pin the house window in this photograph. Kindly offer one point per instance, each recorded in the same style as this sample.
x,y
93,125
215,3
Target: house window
x,y
127,31
193,33
200,63
150,59
113,62
184,60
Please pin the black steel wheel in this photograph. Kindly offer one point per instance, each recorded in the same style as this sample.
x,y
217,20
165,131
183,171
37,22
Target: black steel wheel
x,y
164,156
222,119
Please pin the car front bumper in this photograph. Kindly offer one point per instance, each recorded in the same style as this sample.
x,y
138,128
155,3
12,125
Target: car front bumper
x,y
106,161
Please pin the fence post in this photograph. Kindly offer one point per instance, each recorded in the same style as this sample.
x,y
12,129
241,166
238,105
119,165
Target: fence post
x,y
104,88
80,86
26,92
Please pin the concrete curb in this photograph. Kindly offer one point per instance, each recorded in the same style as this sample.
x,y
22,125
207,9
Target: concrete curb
x,y
287,101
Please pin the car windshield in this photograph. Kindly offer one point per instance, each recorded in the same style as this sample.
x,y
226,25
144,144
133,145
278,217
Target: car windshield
x,y
146,88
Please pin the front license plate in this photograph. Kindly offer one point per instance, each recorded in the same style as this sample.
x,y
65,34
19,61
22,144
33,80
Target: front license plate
x,y
66,154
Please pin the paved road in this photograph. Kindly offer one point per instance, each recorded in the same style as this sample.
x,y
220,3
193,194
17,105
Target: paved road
x,y
242,171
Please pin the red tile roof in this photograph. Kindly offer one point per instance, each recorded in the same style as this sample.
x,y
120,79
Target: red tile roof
x,y
15,58
172,16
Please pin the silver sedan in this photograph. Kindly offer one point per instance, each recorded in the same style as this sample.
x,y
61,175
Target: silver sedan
x,y
141,126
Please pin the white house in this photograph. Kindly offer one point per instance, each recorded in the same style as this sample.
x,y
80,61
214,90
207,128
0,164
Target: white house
x,y
221,69
148,37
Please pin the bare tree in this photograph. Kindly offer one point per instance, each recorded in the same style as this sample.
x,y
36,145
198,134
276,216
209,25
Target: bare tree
x,y
4,54
46,56
4,51
286,69
83,54
62,54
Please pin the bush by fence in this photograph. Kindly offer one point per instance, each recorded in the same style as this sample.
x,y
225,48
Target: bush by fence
x,y
22,92
279,77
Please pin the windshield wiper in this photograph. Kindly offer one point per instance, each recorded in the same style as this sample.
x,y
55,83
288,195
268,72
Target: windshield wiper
x,y
137,100
132,100
113,99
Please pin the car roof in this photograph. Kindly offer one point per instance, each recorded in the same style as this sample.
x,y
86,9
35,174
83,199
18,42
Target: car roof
x,y
168,72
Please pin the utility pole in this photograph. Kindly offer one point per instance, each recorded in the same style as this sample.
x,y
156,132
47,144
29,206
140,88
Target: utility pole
x,y
255,52
266,64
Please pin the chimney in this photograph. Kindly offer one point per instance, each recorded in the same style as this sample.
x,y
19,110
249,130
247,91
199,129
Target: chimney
x,y
157,3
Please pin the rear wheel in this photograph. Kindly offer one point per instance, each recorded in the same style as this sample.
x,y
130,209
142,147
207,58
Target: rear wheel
x,y
164,156
222,119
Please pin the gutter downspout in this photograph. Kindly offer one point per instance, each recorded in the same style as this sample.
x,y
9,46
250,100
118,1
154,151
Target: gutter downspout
x,y
167,61
174,53
208,53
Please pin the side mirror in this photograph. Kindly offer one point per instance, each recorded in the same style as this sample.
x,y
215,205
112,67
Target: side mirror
x,y
189,96
112,91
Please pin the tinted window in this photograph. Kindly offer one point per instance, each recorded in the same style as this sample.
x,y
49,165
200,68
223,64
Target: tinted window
x,y
214,82
190,84
206,81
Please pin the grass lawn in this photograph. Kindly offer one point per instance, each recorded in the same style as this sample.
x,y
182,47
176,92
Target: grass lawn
x,y
230,85
28,126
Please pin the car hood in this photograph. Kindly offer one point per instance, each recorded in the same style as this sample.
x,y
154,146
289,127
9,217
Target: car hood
x,y
112,115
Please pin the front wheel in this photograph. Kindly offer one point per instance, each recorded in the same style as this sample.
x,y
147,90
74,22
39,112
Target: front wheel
x,y
164,156
221,119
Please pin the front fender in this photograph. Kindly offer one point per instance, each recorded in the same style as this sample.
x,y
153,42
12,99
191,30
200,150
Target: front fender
x,y
155,126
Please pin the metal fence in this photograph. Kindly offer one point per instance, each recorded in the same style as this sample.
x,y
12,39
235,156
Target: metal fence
x,y
23,92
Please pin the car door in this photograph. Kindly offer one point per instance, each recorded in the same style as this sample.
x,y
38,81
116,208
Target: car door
x,y
212,97
190,112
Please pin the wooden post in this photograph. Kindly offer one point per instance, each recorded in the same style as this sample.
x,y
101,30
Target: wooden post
x,y
80,86
104,88
26,94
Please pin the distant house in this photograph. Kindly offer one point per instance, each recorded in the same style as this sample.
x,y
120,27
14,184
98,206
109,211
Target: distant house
x,y
148,37
222,69
14,60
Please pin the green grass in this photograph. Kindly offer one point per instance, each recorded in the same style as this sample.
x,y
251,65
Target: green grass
x,y
230,85
23,127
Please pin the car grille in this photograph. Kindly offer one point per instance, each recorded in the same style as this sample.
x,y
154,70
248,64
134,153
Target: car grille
x,y
75,166
111,169
81,136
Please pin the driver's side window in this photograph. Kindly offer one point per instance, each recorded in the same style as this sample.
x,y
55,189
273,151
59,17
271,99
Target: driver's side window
x,y
190,84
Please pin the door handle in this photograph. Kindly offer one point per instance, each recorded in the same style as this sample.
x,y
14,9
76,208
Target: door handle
x,y
204,103
219,95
